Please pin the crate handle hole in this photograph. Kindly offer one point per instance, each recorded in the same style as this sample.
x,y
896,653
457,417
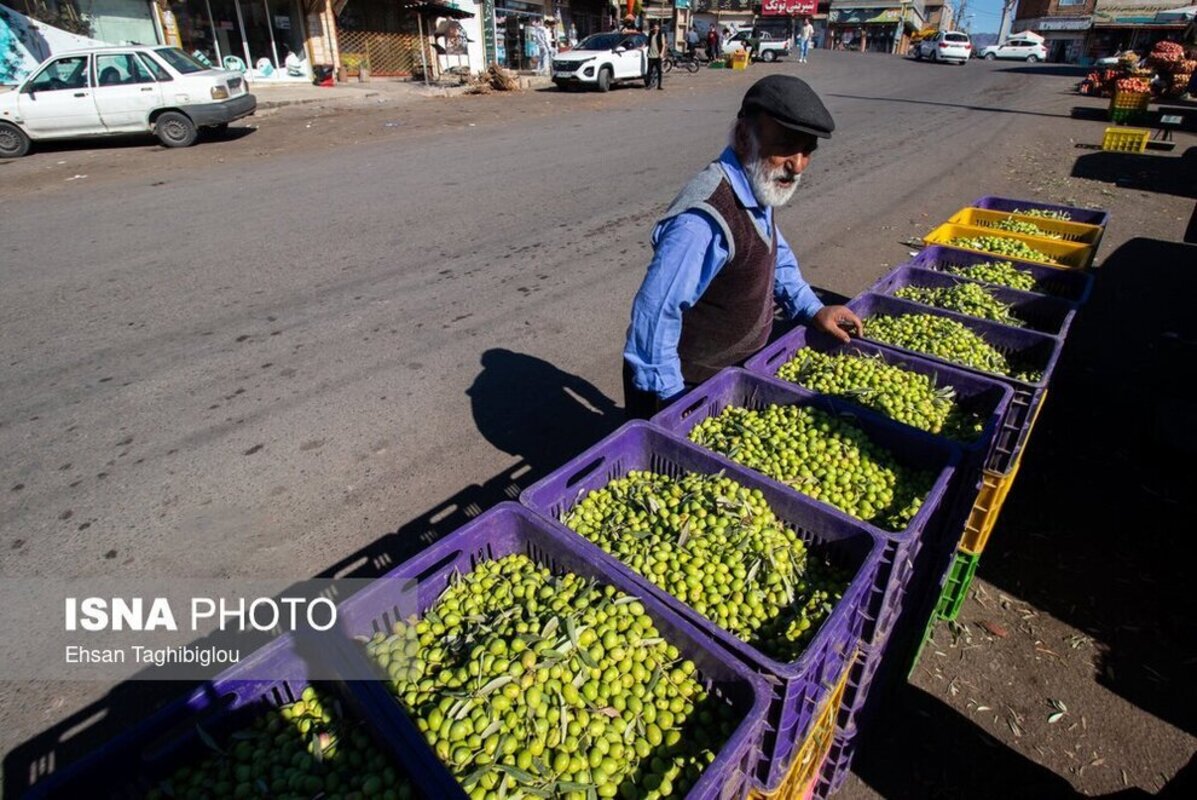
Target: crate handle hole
x,y
582,473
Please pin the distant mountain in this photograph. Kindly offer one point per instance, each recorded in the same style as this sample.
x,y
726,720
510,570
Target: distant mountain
x,y
983,39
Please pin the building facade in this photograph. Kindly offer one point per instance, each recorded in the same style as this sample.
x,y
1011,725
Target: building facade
x,y
1081,31
873,27
1063,24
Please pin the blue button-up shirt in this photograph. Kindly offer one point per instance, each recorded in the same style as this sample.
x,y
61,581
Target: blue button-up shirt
x,y
689,251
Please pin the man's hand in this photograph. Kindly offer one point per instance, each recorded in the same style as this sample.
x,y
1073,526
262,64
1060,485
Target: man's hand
x,y
838,321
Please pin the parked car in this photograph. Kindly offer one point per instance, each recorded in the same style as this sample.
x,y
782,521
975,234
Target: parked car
x,y
1027,50
602,60
945,46
113,90
770,49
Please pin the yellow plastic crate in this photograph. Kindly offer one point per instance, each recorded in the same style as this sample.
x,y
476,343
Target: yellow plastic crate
x,y
994,489
1067,231
1134,101
739,60
799,782
1125,140
1066,255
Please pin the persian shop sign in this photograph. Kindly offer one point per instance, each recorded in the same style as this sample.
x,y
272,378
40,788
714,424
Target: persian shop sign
x,y
785,8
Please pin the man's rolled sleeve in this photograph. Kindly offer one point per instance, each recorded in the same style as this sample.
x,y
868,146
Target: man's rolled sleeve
x,y
792,292
688,253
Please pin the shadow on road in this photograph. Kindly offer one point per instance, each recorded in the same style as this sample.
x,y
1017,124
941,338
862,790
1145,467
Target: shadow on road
x,y
1049,69
1102,539
1142,171
523,405
123,142
994,109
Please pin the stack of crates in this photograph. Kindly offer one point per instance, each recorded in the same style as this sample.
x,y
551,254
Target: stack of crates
x,y
797,722
948,564
1128,106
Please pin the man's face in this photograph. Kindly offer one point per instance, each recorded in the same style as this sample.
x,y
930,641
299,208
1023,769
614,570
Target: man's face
x,y
785,152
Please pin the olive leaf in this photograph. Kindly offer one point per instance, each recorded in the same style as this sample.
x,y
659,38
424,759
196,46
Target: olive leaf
x,y
571,786
208,741
518,774
468,781
493,685
550,627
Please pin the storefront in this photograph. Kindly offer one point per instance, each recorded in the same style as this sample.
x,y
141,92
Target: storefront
x,y
515,45
1064,37
1113,35
871,30
381,36
256,35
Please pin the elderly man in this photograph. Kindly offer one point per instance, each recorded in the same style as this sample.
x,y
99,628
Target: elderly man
x,y
719,261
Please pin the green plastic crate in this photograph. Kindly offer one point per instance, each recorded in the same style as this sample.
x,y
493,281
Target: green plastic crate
x,y
964,569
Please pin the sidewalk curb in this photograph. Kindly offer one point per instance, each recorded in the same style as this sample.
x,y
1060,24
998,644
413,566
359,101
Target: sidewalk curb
x,y
267,104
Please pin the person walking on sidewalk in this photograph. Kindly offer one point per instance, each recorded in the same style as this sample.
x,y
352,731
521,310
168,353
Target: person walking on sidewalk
x,y
656,52
719,263
804,39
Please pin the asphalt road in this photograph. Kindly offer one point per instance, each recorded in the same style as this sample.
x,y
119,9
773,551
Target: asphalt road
x,y
259,356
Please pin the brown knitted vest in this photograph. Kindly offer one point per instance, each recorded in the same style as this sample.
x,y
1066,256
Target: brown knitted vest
x,y
733,318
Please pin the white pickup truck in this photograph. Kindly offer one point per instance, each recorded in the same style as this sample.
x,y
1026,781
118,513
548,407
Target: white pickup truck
x,y
770,49
113,90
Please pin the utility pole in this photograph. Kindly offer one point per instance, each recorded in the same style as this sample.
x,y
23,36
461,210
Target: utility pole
x,y
1008,11
961,8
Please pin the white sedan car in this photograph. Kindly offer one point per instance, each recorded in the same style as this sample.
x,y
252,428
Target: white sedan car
x,y
1018,49
115,90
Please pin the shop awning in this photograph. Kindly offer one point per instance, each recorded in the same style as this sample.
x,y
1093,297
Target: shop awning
x,y
865,16
431,9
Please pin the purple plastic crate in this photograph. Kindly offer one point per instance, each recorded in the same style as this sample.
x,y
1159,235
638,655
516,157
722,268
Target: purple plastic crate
x,y
1087,216
132,763
988,397
1049,315
510,528
838,764
799,686
1067,284
1037,350
912,448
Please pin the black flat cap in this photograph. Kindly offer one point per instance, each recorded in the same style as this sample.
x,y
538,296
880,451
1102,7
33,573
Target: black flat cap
x,y
791,102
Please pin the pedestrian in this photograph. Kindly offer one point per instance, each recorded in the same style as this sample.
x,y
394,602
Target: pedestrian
x,y
753,45
712,42
629,25
804,39
692,40
656,51
719,263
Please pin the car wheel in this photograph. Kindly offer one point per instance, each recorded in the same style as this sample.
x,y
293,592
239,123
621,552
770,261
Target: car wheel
x,y
934,56
13,141
768,56
604,79
918,54
175,129
1032,59
990,57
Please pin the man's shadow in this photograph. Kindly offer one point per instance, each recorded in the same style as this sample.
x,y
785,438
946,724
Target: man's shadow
x,y
529,408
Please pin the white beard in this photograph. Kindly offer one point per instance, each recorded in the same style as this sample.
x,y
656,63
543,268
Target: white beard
x,y
764,180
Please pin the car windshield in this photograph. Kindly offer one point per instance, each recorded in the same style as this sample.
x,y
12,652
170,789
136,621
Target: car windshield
x,y
600,41
180,61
